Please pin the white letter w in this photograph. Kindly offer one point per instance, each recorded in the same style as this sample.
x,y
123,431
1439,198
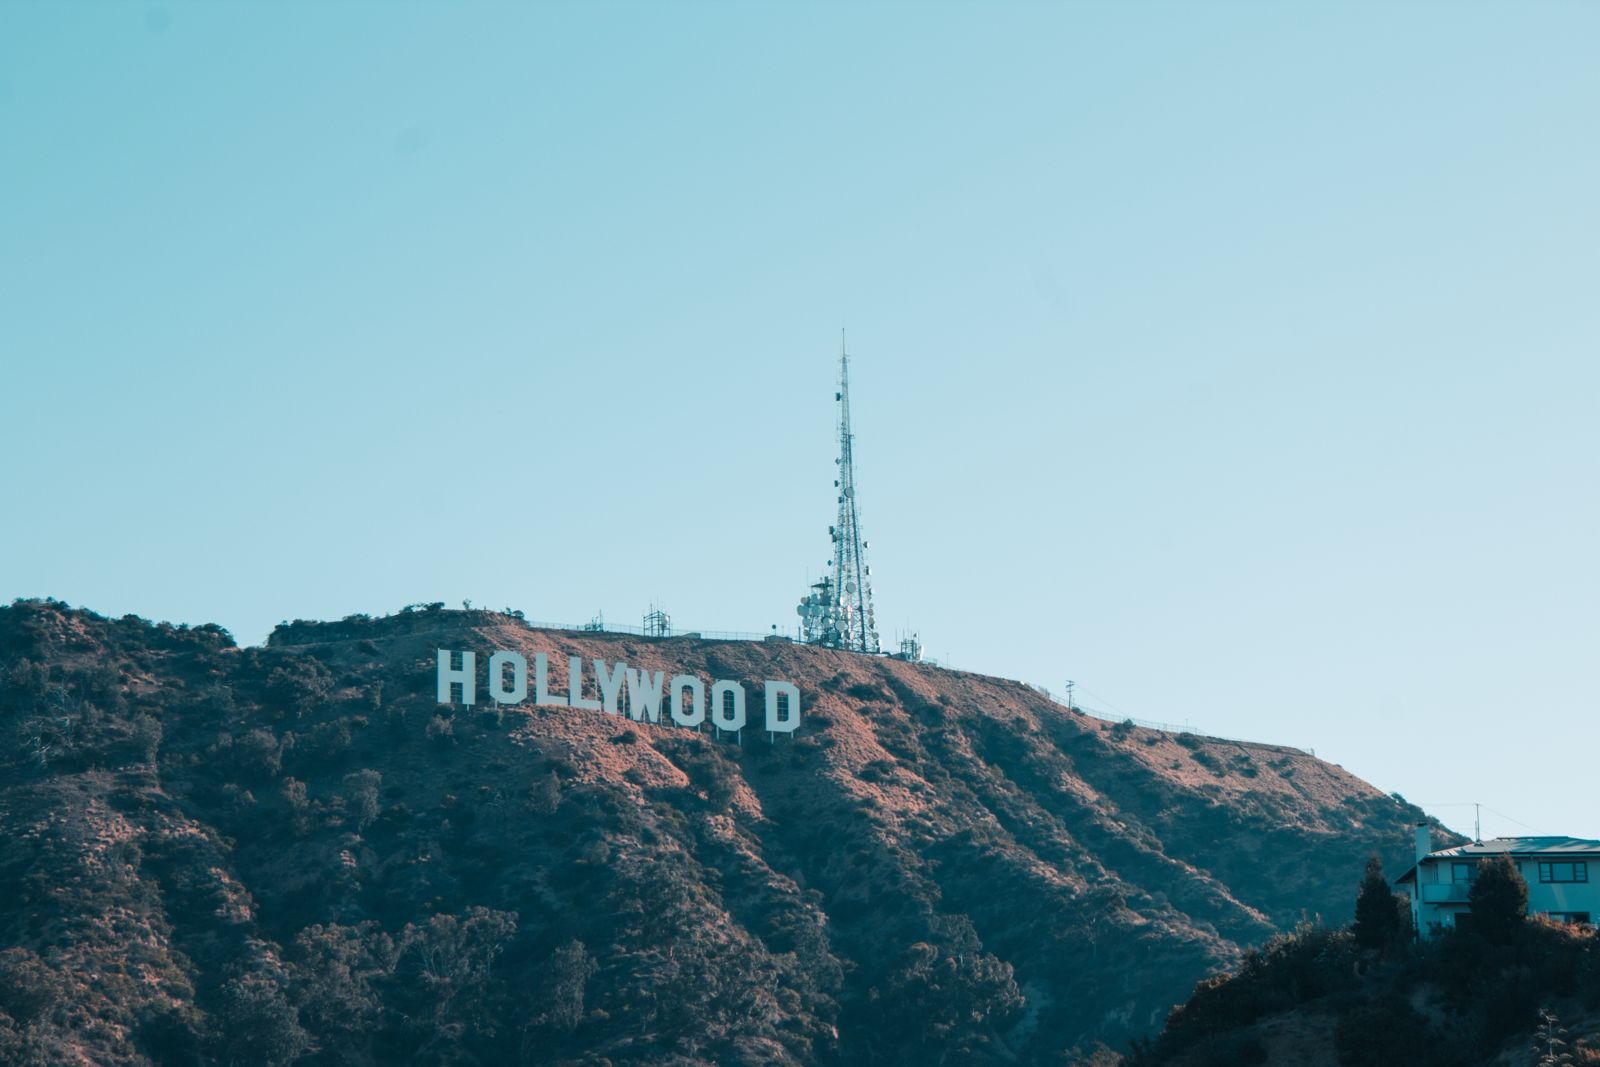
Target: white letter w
x,y
644,695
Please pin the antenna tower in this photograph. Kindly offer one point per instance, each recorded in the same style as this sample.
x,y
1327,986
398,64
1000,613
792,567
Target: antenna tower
x,y
838,611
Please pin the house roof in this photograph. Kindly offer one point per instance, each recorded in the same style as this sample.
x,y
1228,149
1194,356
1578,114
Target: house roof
x,y
1520,846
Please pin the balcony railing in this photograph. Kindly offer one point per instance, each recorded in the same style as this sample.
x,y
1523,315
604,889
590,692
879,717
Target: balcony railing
x,y
1445,892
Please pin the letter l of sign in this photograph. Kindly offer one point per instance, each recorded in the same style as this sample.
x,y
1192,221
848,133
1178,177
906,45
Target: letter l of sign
x,y
575,695
541,682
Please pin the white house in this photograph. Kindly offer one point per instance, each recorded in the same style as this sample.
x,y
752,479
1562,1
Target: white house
x,y
1558,871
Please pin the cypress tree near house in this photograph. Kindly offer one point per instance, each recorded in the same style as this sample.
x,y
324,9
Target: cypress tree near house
x,y
1378,909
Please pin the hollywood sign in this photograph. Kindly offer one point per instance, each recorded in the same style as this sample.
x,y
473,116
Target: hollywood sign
x,y
646,692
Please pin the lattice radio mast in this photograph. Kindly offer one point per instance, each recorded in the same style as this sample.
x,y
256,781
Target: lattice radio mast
x,y
838,612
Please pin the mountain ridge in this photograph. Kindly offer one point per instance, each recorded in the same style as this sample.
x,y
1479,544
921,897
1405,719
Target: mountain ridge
x,y
935,863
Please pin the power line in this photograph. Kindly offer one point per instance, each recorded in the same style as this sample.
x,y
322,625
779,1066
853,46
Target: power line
x,y
1477,804
1508,818
1097,696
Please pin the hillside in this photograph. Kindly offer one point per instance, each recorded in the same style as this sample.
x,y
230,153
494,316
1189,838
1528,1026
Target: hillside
x,y
1467,998
210,853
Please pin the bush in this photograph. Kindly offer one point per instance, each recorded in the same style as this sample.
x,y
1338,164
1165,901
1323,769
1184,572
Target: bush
x,y
441,731
1229,1050
544,796
258,1025
336,969
258,755
327,741
566,974
29,988
301,687
1381,1034
1291,969
361,798
147,737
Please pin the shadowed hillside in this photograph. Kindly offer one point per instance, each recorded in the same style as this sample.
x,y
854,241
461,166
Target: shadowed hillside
x,y
261,855
1319,997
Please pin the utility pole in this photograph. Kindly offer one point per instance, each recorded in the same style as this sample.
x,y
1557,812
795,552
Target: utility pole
x,y
1070,685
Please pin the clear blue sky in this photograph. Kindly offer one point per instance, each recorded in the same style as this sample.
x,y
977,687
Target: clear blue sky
x,y
1236,360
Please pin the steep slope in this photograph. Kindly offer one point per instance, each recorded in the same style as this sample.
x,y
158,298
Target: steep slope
x,y
295,851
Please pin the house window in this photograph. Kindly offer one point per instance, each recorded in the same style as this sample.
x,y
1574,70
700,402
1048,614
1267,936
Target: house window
x,y
1569,916
1463,872
1564,872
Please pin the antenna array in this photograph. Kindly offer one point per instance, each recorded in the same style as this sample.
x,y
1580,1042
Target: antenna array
x,y
838,610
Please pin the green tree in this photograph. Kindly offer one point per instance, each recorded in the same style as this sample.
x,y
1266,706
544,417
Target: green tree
x,y
1377,915
544,796
361,797
1499,900
257,1025
565,975
258,755
945,997
335,970
301,687
29,987
147,737
452,963
298,803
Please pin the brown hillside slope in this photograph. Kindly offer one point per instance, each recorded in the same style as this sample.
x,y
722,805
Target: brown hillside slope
x,y
293,853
